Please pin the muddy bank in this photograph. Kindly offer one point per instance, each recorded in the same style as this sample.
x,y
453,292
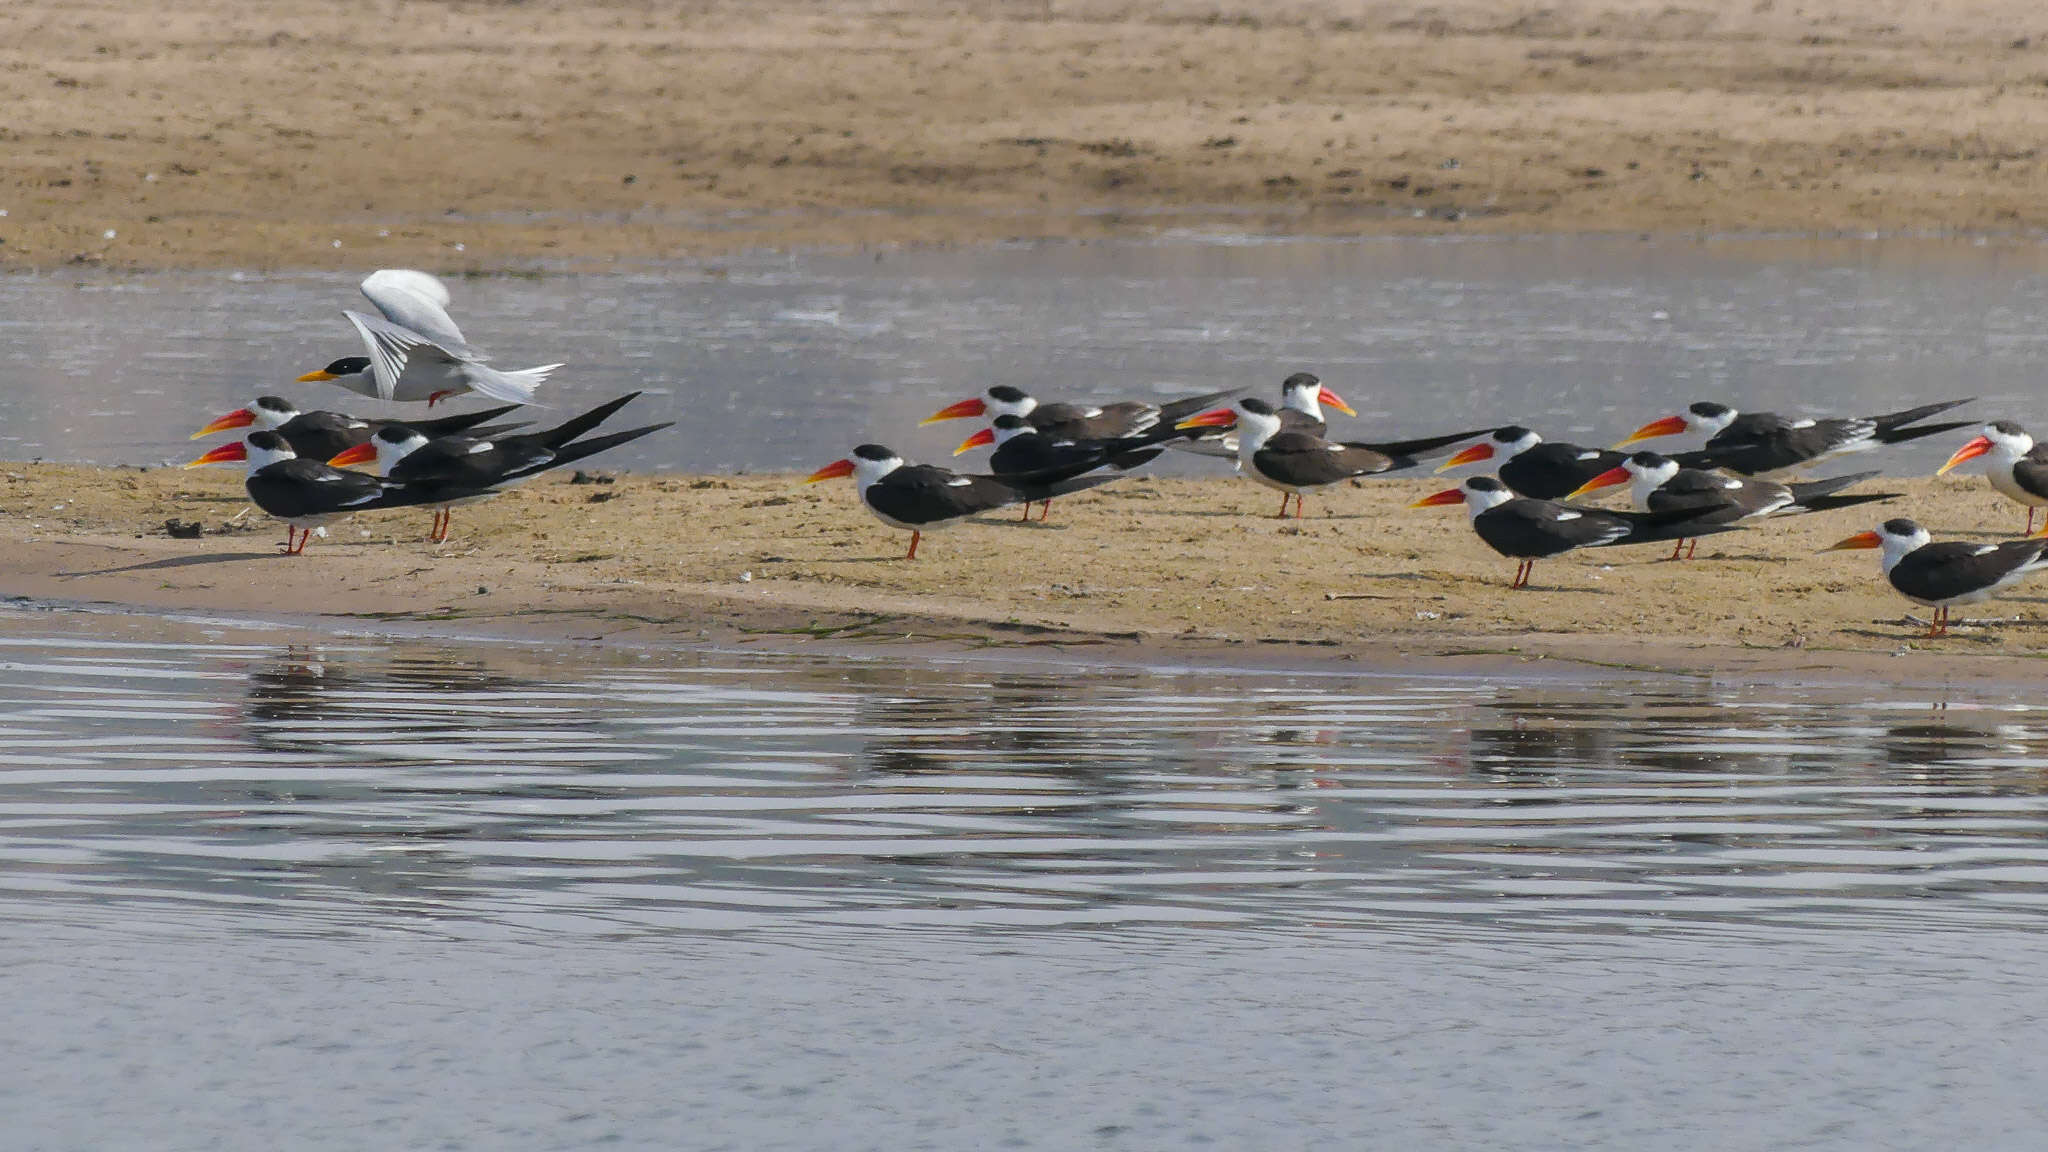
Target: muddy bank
x,y
233,133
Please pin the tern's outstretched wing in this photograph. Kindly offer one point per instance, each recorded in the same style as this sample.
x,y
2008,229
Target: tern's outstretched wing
x,y
423,284
419,303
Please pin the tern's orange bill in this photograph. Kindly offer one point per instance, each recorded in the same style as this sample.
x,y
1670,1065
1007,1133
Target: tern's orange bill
x,y
1970,451
974,407
1335,401
1859,540
239,418
1668,426
1447,496
831,471
228,453
316,376
1607,479
360,454
1214,418
985,436
1472,455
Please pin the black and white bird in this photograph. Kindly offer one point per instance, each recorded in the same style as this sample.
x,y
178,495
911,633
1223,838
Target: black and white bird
x,y
1079,421
1302,397
306,494
1297,462
920,498
1534,467
1765,443
1023,452
1658,484
446,471
319,435
1942,575
2016,466
1527,530
415,350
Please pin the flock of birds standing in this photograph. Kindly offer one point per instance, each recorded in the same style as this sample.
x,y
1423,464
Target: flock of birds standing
x,y
297,461
1523,511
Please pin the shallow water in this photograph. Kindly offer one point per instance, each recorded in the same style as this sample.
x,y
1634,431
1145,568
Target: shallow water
x,y
785,362
264,889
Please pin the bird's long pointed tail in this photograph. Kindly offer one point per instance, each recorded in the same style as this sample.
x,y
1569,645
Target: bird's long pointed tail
x,y
1409,453
1046,490
575,426
570,453
1804,494
461,422
1830,503
1891,426
1901,435
511,387
1650,527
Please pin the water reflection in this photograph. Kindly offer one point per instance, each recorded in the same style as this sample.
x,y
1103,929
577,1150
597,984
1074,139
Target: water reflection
x,y
348,783
1015,718
303,700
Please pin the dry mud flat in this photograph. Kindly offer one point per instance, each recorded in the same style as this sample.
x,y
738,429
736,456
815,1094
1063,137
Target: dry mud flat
x,y
1143,571
464,136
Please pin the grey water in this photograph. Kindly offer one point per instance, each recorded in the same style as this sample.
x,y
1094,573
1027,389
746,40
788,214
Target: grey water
x,y
784,362
264,889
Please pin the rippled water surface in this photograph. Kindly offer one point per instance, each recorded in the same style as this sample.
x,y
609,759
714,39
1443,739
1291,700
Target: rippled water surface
x,y
267,891
784,363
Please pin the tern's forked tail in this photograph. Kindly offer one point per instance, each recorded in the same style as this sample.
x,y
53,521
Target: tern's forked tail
x,y
511,387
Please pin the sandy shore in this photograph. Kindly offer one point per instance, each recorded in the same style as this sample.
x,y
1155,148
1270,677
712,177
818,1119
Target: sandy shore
x,y
288,133
1150,571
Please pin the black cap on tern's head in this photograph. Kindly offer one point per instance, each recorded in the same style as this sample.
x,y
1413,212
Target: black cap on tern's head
x,y
1648,460
1479,493
1301,380
276,407
1007,394
1256,406
2006,427
1708,410
344,367
1009,423
866,464
264,447
1509,433
1898,538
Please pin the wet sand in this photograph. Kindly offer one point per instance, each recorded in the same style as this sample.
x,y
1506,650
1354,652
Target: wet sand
x,y
1143,571
285,133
